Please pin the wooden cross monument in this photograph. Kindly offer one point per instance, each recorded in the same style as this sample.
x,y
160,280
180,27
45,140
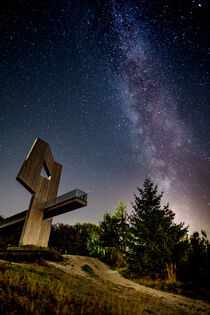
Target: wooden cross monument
x,y
44,203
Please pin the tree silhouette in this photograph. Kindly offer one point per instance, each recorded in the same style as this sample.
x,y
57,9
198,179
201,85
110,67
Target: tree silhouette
x,y
154,233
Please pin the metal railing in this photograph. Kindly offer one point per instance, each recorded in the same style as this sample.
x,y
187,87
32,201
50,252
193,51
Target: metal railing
x,y
76,193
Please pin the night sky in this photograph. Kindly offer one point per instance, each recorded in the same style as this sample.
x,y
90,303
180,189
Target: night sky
x,y
120,91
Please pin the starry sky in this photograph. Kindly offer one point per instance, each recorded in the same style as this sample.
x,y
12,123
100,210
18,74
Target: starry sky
x,y
120,91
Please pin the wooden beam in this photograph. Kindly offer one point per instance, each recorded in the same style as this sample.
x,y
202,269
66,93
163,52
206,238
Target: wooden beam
x,y
49,212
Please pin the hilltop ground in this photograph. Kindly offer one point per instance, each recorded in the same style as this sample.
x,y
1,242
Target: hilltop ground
x,y
83,285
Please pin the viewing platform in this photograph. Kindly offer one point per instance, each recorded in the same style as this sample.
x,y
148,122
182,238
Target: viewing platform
x,y
68,202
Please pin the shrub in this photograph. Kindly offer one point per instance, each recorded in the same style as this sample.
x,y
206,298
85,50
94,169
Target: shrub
x,y
114,258
171,272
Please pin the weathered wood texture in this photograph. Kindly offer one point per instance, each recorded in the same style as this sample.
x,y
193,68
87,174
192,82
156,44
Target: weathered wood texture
x,y
36,229
49,212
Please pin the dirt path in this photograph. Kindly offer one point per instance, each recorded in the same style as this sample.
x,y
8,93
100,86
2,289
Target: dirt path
x,y
97,271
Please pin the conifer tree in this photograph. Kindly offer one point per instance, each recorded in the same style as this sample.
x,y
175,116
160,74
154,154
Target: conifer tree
x,y
154,233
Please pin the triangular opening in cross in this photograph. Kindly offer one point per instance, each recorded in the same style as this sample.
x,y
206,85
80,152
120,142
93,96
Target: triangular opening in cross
x,y
45,171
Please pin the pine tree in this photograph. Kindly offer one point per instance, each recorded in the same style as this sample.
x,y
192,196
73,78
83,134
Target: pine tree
x,y
154,233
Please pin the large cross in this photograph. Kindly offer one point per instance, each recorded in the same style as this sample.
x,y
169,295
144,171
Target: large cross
x,y
44,203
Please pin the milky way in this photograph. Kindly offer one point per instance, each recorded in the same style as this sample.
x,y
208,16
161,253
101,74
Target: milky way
x,y
166,147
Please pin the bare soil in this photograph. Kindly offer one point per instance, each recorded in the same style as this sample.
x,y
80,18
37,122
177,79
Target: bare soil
x,y
144,300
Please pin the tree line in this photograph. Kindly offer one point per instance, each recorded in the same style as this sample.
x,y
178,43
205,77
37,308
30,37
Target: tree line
x,y
145,243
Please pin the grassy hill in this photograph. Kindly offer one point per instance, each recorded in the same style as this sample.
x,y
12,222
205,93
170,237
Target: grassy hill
x,y
34,289
40,288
